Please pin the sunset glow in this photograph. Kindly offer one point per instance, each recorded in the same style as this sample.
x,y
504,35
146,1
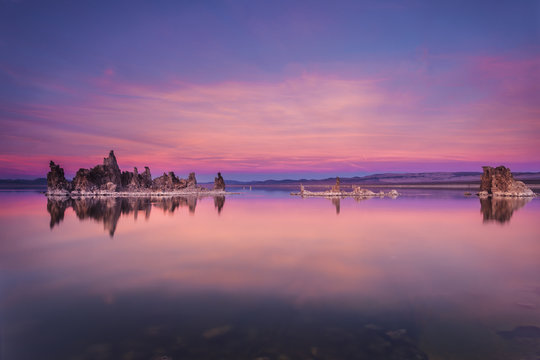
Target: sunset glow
x,y
259,91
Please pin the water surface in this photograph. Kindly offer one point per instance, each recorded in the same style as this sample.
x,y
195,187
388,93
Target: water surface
x,y
263,275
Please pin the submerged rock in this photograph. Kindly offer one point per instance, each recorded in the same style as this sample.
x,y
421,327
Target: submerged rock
x,y
500,182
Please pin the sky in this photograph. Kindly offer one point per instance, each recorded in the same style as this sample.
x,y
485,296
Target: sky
x,y
269,89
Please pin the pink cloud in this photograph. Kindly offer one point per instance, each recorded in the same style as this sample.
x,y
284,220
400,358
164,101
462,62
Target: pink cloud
x,y
307,122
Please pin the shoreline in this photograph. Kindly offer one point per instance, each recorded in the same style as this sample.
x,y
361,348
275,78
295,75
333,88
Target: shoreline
x,y
336,192
109,194
456,186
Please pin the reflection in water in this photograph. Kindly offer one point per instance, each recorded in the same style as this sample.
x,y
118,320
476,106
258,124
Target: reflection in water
x,y
501,209
272,278
108,210
336,201
219,201
337,204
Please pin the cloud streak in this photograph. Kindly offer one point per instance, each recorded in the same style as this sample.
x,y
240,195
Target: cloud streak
x,y
312,121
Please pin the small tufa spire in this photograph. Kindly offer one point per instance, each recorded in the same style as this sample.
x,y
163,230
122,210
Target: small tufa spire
x,y
336,188
219,182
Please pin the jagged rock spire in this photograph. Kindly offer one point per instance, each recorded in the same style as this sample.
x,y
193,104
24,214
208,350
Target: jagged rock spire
x,y
219,182
107,178
56,181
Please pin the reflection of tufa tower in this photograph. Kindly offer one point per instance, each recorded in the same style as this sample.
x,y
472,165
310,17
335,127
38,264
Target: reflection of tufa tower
x,y
337,203
336,188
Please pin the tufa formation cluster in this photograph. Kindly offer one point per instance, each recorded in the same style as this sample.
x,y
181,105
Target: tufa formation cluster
x,y
107,178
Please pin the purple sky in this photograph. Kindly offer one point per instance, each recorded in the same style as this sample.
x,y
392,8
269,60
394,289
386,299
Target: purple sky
x,y
269,89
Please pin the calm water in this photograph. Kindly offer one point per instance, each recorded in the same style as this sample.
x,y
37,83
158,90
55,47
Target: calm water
x,y
263,275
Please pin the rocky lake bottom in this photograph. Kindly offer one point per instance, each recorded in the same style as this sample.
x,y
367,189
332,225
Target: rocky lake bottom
x,y
431,274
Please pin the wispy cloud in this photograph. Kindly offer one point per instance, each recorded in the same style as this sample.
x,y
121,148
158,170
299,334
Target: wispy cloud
x,y
322,120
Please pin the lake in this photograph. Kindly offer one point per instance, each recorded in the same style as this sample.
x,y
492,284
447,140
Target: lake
x,y
432,274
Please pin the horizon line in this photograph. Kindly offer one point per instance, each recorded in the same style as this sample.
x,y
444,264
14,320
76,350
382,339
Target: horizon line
x,y
312,178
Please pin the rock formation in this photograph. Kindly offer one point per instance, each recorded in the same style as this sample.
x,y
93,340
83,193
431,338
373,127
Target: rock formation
x,y
168,182
111,170
336,187
336,191
56,181
500,182
191,181
146,178
358,191
219,183
107,179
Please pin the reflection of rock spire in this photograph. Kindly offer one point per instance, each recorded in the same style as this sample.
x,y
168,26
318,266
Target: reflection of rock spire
x,y
107,210
219,201
337,204
56,208
501,209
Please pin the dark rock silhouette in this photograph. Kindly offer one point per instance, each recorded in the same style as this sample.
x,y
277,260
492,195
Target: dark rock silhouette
x,y
108,210
146,178
169,182
107,179
501,209
191,181
111,169
219,183
500,182
56,179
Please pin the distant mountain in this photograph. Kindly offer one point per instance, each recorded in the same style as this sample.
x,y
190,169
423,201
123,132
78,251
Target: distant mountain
x,y
460,177
428,178
38,184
